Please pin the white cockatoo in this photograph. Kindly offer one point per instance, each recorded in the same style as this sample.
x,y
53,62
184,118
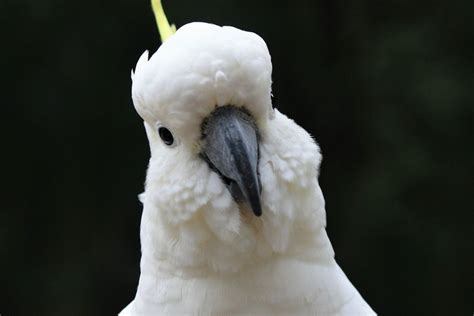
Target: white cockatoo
x,y
234,218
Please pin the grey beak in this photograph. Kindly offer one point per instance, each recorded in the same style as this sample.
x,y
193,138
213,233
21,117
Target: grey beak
x,y
230,146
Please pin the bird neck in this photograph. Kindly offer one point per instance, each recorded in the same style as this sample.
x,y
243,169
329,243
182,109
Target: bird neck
x,y
169,252
279,284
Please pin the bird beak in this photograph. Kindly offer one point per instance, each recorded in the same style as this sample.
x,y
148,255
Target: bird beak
x,y
230,146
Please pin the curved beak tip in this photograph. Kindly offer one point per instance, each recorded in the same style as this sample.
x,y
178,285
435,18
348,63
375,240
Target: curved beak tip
x,y
231,149
257,210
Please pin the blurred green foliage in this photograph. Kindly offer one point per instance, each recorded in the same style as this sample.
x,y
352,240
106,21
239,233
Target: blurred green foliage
x,y
386,88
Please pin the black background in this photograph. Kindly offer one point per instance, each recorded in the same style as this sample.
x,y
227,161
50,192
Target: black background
x,y
386,88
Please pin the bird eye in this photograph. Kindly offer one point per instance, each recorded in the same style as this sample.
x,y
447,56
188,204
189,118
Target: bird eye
x,y
166,136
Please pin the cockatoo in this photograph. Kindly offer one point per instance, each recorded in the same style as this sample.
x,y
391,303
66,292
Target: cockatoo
x,y
234,218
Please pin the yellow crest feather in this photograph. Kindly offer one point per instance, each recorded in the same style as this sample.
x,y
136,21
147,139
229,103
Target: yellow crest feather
x,y
164,27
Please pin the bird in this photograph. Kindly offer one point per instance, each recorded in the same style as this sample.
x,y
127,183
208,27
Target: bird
x,y
233,219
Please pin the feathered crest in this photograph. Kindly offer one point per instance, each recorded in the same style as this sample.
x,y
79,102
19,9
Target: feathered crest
x,y
164,27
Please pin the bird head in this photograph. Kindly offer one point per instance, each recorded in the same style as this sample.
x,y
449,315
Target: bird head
x,y
220,154
205,92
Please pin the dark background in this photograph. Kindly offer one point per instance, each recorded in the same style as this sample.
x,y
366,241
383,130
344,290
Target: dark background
x,y
386,88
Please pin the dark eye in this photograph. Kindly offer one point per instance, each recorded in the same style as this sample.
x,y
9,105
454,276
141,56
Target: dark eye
x,y
166,136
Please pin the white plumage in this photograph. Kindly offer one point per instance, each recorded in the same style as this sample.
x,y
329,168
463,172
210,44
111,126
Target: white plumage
x,y
203,253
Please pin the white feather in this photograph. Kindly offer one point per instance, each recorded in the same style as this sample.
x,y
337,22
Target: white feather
x,y
203,254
